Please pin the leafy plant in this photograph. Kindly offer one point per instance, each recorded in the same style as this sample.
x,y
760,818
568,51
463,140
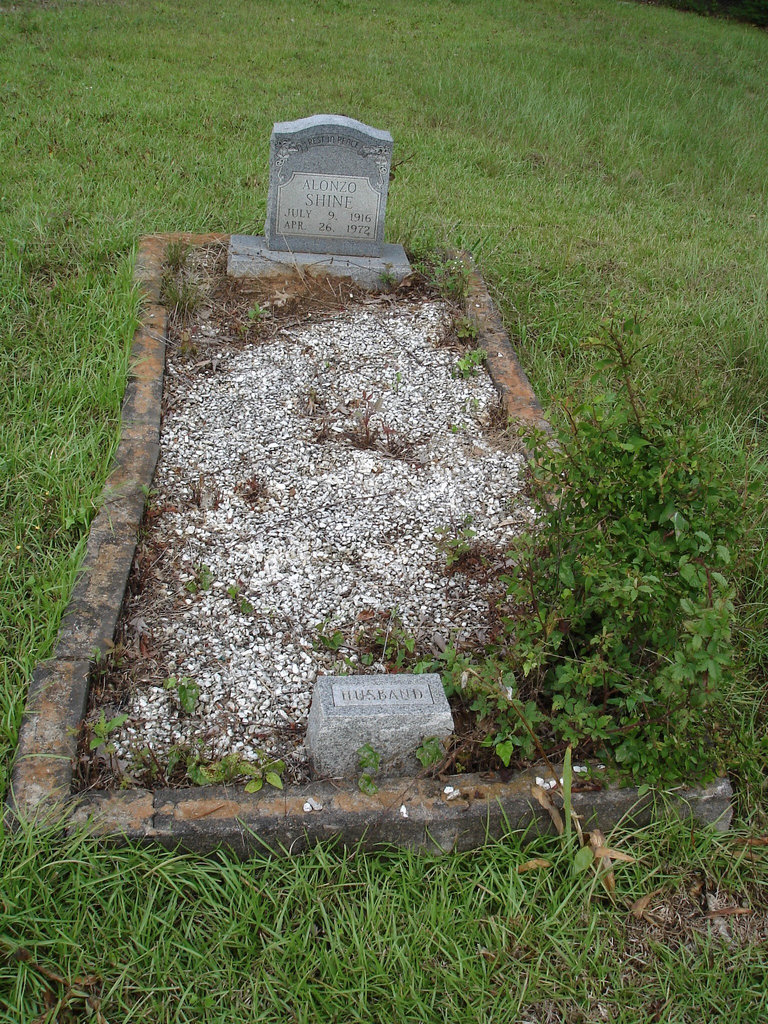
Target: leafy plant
x,y
383,638
102,729
447,276
467,364
202,579
369,761
187,691
490,690
244,605
327,637
430,752
456,541
387,278
234,766
267,771
619,608
465,329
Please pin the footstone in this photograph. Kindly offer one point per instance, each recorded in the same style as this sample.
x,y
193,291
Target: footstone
x,y
394,714
249,256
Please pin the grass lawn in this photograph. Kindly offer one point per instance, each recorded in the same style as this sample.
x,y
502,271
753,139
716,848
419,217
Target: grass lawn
x,y
599,159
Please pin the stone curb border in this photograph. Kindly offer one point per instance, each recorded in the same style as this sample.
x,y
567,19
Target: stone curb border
x,y
416,813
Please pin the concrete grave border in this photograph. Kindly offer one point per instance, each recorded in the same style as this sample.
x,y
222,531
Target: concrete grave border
x,y
409,812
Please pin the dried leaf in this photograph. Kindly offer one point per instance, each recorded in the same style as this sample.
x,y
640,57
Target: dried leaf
x,y
532,865
727,912
639,907
605,864
543,798
606,851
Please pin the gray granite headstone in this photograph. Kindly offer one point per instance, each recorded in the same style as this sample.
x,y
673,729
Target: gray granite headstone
x,y
328,184
392,713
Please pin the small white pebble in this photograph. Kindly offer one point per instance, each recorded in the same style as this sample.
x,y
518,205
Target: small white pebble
x,y
539,780
315,805
403,811
580,768
448,790
307,807
454,794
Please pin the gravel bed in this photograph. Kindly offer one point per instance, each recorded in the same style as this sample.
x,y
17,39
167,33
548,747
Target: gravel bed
x,y
300,490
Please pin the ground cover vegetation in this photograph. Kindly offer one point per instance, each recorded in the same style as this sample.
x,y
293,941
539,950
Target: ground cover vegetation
x,y
604,163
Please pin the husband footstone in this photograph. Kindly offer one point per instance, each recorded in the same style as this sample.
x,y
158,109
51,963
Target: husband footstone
x,y
393,713
326,206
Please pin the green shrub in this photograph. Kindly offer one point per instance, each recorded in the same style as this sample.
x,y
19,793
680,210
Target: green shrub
x,y
618,613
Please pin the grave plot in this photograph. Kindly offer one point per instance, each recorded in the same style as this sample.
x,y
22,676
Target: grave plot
x,y
452,813
317,473
333,501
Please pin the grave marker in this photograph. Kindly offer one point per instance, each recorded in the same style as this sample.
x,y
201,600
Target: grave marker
x,y
328,185
392,713
328,188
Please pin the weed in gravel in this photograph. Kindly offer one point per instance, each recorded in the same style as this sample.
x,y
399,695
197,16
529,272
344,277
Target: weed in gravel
x,y
384,639
465,330
176,254
244,606
314,401
187,692
377,437
364,432
254,491
468,364
205,495
455,541
101,732
449,277
328,638
202,579
97,753
180,295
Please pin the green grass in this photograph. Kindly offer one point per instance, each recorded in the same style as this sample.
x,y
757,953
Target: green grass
x,y
332,936
597,158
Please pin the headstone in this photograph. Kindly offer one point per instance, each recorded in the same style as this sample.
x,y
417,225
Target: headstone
x,y
328,185
327,200
392,713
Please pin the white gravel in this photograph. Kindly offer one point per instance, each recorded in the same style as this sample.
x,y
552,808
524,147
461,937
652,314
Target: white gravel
x,y
340,531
